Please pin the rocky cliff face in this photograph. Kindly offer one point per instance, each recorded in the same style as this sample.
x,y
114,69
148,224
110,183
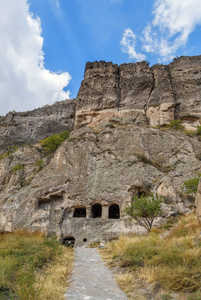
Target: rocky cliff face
x,y
29,127
83,190
90,168
137,94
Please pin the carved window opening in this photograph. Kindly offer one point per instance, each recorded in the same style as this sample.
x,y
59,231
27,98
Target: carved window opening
x,y
69,241
96,211
80,212
44,204
114,211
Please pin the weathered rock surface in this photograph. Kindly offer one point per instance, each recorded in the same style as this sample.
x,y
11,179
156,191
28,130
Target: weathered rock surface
x,y
107,167
31,126
111,161
137,94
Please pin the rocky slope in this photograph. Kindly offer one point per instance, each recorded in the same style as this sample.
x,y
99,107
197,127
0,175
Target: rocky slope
x,y
31,126
115,154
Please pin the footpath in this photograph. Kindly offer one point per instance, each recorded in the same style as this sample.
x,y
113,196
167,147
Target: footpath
x,y
91,280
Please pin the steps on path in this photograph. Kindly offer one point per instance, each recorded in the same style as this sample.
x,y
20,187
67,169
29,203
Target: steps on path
x,y
91,279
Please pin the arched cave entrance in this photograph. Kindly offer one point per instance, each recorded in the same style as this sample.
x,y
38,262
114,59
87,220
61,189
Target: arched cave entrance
x,y
96,211
114,211
80,212
69,241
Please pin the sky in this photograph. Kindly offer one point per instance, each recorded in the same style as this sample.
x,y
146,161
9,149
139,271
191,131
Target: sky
x,y
45,44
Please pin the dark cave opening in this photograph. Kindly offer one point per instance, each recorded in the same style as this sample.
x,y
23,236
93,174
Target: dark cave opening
x,y
80,212
96,211
69,241
114,211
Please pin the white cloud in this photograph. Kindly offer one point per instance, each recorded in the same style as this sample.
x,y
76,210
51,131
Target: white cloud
x,y
57,3
173,22
25,83
128,43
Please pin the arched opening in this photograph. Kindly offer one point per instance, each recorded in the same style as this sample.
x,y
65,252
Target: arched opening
x,y
84,240
69,241
96,211
114,211
80,212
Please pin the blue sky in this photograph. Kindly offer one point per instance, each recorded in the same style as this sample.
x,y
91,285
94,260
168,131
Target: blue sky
x,y
45,44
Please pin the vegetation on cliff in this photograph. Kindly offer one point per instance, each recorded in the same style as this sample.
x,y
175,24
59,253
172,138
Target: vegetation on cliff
x,y
51,143
171,262
33,266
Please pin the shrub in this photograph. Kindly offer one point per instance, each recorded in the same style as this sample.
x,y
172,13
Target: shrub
x,y
176,125
175,58
40,164
51,143
144,159
19,166
144,209
10,150
198,131
190,186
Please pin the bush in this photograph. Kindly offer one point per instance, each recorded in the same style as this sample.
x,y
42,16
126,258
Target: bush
x,y
19,166
10,150
198,131
190,186
144,159
51,143
144,209
176,125
40,164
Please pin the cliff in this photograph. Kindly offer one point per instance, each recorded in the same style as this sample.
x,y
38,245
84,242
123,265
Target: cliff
x,y
138,94
113,153
31,126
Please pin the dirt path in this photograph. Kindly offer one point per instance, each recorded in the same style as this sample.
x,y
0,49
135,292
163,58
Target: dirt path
x,y
91,280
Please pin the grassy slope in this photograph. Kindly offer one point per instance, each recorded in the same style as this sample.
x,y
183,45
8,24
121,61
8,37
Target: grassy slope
x,y
33,266
165,264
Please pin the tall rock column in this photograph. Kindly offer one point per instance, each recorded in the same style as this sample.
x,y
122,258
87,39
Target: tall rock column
x,y
161,103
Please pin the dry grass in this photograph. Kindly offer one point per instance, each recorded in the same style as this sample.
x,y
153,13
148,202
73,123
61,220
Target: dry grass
x,y
33,266
52,281
172,262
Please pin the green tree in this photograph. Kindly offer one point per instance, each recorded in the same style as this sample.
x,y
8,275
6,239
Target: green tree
x,y
144,209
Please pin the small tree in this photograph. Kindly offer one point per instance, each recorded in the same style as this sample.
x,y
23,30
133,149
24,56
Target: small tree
x,y
144,209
